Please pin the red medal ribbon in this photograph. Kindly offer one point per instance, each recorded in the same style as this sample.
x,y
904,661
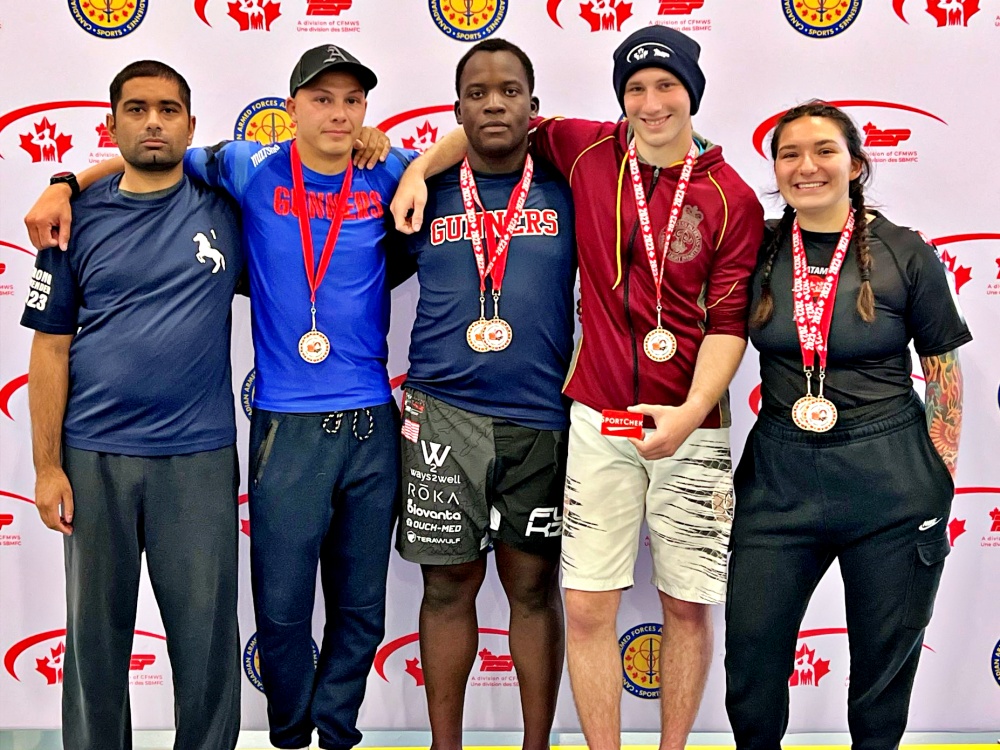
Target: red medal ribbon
x,y
813,317
315,275
497,248
658,266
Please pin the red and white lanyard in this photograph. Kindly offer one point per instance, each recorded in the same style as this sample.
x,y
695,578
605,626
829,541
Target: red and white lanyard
x,y
315,275
497,265
657,265
813,317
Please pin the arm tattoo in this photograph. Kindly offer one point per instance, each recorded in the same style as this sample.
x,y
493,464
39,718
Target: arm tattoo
x,y
943,403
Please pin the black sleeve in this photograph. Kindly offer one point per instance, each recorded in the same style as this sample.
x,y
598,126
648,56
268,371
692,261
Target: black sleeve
x,y
400,264
53,299
934,318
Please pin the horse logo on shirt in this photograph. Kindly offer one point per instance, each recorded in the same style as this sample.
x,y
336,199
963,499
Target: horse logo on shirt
x,y
206,251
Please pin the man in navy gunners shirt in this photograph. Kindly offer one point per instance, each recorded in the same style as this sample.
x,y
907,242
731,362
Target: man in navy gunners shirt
x,y
484,432
133,429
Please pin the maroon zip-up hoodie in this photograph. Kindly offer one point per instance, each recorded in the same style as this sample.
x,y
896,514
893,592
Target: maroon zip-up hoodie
x,y
705,282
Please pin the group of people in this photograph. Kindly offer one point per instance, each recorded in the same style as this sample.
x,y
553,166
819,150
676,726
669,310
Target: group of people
x,y
133,426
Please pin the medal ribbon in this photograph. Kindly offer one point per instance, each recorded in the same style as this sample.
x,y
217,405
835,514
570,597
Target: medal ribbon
x,y
515,205
680,192
315,275
813,318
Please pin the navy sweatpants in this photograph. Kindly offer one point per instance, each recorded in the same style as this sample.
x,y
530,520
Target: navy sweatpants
x,y
875,497
323,492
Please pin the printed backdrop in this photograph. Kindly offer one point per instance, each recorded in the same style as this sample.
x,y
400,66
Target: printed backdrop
x,y
918,75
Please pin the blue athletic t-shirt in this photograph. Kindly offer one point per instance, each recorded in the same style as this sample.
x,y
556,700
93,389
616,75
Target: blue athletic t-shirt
x,y
352,303
522,383
146,287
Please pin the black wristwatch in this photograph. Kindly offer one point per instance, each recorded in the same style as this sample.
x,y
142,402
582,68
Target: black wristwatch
x,y
70,179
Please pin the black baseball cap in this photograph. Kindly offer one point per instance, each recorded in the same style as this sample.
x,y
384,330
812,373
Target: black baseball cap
x,y
330,57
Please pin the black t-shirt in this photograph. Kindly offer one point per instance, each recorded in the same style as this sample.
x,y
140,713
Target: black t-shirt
x,y
869,365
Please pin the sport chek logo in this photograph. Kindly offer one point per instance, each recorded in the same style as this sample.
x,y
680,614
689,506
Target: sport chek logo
x,y
495,665
249,15
12,513
599,15
821,19
251,661
887,127
964,264
419,128
45,139
39,659
266,121
467,20
108,19
944,12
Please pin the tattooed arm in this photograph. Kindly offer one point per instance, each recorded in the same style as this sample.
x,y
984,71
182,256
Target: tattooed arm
x,y
943,403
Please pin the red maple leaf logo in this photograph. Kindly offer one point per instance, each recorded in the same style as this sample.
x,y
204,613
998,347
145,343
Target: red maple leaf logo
x,y
605,15
104,139
44,144
808,669
679,7
327,7
414,670
51,667
955,529
962,274
254,15
425,137
952,12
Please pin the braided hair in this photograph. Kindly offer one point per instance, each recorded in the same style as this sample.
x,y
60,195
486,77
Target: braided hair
x,y
764,309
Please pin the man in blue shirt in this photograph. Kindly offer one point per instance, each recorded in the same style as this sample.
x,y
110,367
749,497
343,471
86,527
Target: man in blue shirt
x,y
484,434
324,456
133,430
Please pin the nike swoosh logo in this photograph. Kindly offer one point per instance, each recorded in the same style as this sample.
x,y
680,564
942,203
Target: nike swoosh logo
x,y
618,430
929,524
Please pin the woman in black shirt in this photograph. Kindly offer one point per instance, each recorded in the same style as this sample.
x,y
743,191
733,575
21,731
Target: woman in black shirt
x,y
844,463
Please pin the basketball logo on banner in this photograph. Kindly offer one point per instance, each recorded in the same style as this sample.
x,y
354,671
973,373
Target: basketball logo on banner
x,y
108,19
468,20
265,121
640,648
821,18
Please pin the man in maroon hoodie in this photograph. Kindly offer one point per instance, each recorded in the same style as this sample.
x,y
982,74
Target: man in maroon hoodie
x,y
667,238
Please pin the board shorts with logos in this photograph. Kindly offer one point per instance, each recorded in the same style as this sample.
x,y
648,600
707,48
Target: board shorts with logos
x,y
469,480
686,501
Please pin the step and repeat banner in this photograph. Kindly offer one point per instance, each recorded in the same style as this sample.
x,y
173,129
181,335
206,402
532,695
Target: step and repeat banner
x,y
919,76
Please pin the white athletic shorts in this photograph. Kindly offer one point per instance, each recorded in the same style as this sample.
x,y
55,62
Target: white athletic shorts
x,y
686,501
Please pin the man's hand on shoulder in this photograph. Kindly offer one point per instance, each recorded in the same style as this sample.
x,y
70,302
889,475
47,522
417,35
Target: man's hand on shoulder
x,y
48,221
410,199
371,147
674,425
54,500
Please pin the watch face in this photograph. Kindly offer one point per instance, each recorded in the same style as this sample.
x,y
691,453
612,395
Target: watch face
x,y
62,176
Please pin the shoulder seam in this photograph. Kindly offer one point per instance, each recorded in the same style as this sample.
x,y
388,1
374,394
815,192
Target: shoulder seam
x,y
580,155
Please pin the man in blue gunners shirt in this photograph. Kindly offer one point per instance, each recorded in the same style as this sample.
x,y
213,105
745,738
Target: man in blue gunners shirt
x,y
484,435
323,437
324,456
133,431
